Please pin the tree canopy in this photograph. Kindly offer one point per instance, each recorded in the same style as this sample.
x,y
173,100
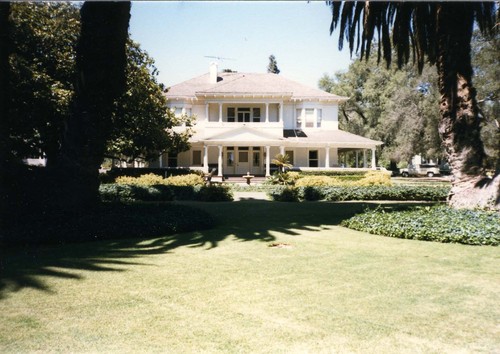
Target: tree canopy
x,y
438,33
273,65
42,67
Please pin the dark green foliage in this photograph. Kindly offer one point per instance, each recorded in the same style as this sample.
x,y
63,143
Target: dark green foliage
x,y
440,224
284,194
215,193
108,221
356,174
338,193
126,193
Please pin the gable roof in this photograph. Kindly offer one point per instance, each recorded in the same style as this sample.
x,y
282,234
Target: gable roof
x,y
248,85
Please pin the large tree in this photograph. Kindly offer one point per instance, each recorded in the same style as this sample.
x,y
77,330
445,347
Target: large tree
x,y
441,33
100,81
398,107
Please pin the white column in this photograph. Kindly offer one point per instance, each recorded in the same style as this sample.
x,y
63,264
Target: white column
x,y
161,161
357,159
281,112
220,112
334,156
205,159
207,112
282,150
268,161
219,166
267,112
373,159
327,157
364,158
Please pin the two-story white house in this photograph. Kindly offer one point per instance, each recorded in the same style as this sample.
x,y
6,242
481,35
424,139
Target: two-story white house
x,y
245,119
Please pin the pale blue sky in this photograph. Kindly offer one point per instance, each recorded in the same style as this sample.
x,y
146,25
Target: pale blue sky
x,y
179,34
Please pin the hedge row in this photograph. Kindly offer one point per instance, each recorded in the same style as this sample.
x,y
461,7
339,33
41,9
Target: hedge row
x,y
341,193
126,193
109,221
111,175
441,224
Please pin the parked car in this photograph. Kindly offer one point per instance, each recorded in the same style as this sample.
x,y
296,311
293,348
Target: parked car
x,y
421,170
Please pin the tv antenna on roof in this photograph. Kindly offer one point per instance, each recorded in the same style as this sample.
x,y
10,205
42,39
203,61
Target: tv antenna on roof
x,y
218,58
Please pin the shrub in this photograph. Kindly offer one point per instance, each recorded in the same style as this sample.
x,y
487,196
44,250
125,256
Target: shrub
x,y
283,178
441,224
284,194
109,221
341,193
215,193
130,192
373,178
185,180
316,181
143,180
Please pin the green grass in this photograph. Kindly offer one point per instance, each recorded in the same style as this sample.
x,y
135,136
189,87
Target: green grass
x,y
226,290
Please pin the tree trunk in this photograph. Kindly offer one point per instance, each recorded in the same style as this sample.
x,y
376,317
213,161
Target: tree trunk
x,y
459,125
101,61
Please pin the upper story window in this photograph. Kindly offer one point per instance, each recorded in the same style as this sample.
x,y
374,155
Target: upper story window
x,y
256,114
298,123
244,114
309,118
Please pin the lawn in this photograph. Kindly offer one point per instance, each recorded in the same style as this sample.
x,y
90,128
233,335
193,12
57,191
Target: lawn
x,y
328,289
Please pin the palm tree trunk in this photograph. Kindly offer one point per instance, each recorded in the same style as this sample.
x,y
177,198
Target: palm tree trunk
x,y
459,125
101,61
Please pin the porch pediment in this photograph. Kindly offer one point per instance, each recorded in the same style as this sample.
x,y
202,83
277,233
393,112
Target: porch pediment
x,y
243,134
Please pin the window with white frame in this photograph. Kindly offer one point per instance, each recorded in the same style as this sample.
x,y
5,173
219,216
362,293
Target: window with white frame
x,y
298,123
309,118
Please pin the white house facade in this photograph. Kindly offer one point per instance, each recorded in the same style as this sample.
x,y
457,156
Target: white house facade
x,y
245,119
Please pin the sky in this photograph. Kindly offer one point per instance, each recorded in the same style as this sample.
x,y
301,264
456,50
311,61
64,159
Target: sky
x,y
180,34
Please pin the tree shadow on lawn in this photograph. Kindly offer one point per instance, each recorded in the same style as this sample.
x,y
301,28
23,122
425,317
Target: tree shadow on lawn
x,y
249,220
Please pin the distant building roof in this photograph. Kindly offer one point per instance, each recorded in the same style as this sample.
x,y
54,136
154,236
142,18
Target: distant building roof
x,y
248,85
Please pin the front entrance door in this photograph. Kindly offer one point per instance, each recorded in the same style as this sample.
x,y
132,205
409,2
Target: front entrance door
x,y
243,161
243,115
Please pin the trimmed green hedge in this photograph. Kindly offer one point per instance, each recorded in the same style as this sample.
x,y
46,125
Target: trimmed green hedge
x,y
341,193
127,192
440,224
109,221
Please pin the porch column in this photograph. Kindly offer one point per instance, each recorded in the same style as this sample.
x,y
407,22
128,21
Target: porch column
x,y
282,150
205,158
268,161
220,112
161,161
280,107
373,159
357,159
267,112
364,158
327,157
207,112
219,161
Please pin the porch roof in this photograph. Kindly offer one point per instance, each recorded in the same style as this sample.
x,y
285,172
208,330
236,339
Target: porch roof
x,y
331,137
291,138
